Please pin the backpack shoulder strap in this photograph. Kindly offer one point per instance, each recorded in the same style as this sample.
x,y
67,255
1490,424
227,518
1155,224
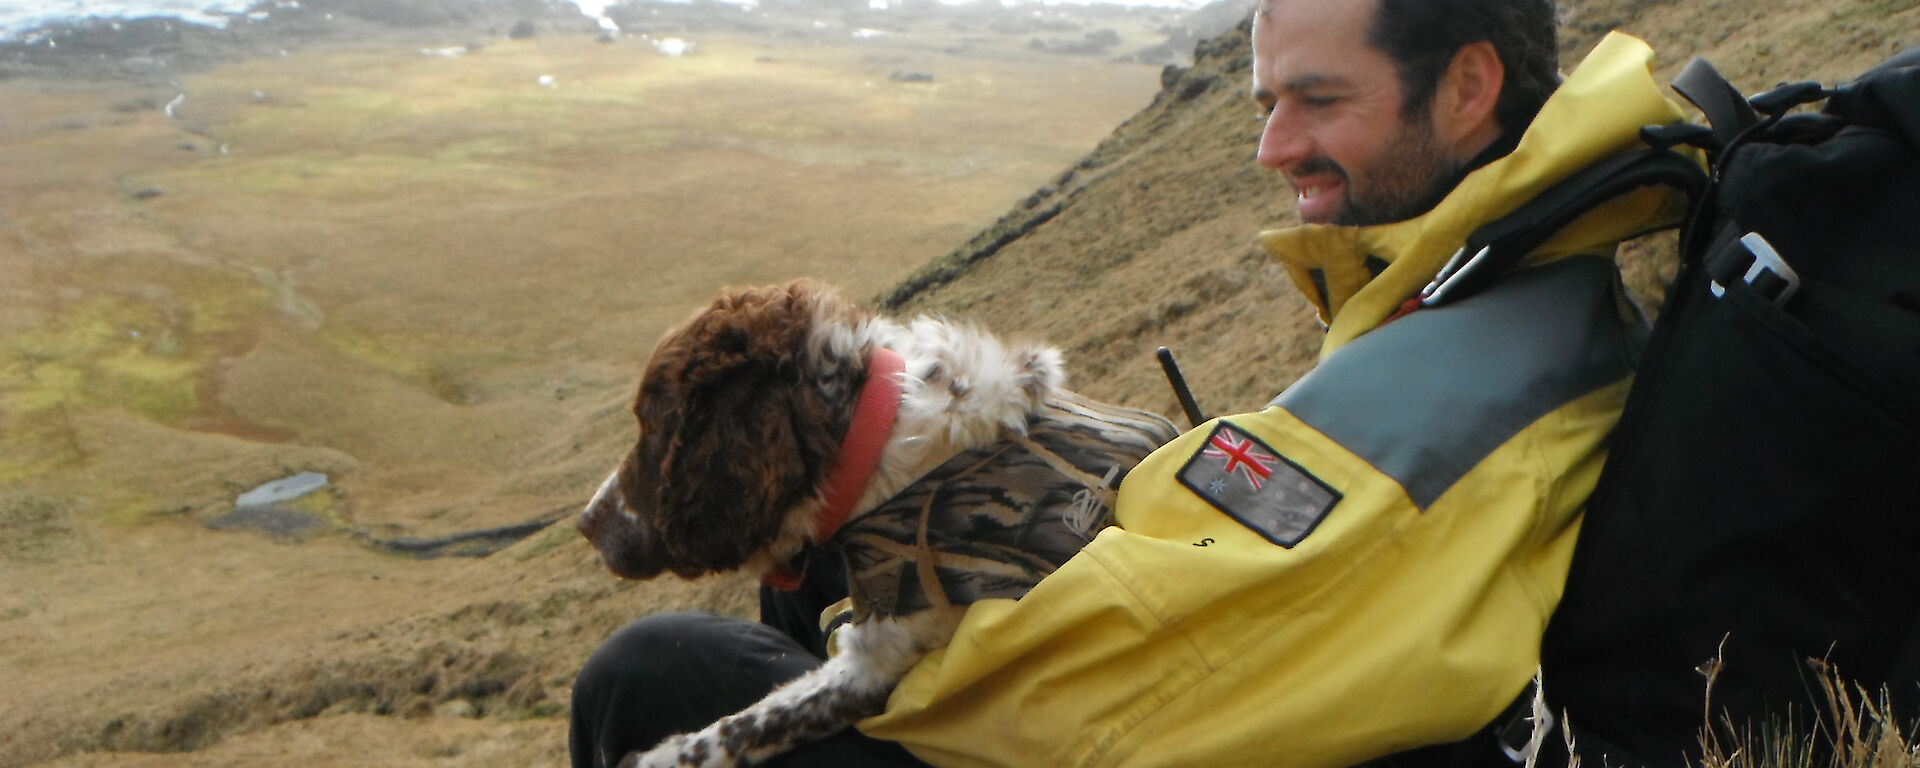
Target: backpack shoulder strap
x,y
1725,106
1498,245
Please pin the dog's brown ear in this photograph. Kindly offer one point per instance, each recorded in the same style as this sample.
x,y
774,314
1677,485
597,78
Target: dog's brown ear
x,y
744,435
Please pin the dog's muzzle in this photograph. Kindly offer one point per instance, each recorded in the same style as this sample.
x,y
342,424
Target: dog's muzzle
x,y
606,502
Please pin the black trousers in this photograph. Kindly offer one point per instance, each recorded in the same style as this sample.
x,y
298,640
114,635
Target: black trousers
x,y
678,672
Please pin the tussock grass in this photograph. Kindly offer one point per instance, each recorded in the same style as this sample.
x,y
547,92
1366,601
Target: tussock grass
x,y
1856,730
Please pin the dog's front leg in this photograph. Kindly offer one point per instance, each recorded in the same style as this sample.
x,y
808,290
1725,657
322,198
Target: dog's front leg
x,y
851,686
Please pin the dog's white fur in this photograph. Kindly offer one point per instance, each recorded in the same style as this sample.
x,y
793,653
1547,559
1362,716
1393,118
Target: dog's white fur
x,y
962,389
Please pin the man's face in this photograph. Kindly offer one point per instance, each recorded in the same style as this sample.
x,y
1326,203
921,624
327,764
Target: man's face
x,y
1335,127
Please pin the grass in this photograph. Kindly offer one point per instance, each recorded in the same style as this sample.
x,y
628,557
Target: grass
x,y
33,528
106,351
1875,10
367,349
148,354
145,347
1856,730
128,507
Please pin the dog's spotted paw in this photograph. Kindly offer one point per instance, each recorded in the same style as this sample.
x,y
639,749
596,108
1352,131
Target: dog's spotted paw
x,y
682,751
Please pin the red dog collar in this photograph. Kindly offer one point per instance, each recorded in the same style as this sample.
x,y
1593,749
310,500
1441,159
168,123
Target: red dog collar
x,y
859,453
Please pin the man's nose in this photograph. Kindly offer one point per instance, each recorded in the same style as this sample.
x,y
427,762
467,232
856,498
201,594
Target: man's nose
x,y
1281,142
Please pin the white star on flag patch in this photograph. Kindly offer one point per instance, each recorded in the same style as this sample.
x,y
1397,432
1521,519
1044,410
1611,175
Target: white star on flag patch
x,y
1254,484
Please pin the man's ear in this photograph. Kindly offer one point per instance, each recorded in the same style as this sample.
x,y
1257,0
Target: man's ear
x,y
1465,114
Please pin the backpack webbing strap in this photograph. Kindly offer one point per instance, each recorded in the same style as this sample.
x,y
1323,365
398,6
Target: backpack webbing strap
x,y
1726,108
1495,247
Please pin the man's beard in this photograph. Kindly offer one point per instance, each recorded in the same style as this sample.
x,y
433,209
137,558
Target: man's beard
x,y
1410,177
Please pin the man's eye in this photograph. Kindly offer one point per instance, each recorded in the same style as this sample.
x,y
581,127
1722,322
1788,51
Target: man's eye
x,y
1319,101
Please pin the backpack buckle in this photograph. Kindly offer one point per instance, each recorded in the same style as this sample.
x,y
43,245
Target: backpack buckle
x,y
1769,274
1453,275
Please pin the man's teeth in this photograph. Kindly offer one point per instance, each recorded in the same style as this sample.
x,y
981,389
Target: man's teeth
x,y
1307,193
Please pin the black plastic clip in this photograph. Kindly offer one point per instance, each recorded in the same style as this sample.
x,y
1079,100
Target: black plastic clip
x,y
1787,96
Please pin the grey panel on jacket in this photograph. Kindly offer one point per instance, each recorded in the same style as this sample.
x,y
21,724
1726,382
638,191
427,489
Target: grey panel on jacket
x,y
1429,396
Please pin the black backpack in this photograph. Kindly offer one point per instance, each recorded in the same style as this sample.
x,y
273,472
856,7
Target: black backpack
x,y
1761,500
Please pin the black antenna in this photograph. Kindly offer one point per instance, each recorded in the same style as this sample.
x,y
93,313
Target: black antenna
x,y
1172,369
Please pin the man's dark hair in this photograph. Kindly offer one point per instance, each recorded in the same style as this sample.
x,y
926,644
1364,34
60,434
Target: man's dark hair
x,y
1421,36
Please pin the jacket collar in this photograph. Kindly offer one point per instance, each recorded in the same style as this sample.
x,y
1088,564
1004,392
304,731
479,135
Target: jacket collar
x,y
1357,276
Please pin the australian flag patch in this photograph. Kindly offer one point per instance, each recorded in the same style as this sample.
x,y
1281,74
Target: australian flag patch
x,y
1254,484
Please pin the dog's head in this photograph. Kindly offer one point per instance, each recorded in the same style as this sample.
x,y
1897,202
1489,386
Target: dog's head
x,y
741,412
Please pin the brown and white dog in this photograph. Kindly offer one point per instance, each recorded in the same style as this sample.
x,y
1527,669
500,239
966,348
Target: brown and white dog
x,y
783,420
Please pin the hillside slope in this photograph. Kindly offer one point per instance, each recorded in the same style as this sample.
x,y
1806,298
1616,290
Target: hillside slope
x,y
1149,240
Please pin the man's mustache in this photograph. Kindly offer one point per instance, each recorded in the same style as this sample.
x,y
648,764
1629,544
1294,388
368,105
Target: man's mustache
x,y
1319,164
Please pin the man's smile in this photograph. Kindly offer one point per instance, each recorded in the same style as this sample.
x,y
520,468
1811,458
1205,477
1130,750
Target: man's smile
x,y
1319,197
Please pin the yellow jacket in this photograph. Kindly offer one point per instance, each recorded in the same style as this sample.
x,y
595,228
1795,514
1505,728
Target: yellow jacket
x,y
1366,565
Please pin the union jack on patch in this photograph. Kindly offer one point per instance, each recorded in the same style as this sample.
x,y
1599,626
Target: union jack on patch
x,y
1241,454
1254,484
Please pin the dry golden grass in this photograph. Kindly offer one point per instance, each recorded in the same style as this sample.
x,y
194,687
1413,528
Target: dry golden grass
x,y
1856,729
434,280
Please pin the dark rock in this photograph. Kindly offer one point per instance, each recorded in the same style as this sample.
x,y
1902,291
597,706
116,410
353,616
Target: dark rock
x,y
522,30
910,77
1171,74
136,105
276,521
146,194
1192,87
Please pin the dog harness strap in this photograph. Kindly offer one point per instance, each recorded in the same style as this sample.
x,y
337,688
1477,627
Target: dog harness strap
x,y
859,452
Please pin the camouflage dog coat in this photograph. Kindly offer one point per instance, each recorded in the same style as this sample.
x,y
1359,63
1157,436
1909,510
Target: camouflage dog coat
x,y
992,521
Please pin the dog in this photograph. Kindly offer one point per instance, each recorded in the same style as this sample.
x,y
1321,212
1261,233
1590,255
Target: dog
x,y
783,425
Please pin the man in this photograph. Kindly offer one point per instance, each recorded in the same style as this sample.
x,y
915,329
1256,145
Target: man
x,y
1364,567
